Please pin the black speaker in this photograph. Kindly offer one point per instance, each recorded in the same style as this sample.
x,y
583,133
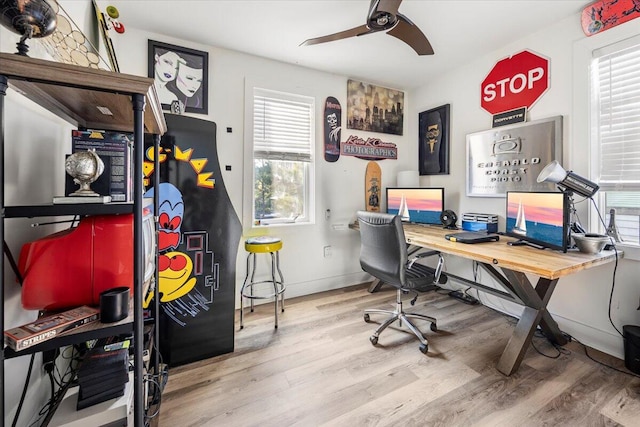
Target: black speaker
x,y
631,335
114,304
448,218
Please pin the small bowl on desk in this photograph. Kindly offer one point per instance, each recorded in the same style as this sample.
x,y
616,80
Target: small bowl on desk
x,y
590,243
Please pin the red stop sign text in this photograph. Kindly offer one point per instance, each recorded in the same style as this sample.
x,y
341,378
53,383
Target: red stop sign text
x,y
515,82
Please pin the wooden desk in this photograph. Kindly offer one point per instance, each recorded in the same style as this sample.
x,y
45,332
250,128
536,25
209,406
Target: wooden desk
x,y
514,262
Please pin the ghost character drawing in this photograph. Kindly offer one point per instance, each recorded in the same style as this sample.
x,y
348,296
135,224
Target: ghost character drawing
x,y
170,216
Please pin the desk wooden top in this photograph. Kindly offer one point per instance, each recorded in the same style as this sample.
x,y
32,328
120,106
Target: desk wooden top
x,y
545,263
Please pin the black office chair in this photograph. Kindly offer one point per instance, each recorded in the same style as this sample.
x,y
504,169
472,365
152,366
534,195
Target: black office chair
x,y
383,254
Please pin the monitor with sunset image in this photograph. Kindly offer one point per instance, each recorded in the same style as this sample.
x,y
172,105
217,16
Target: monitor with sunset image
x,y
539,219
416,205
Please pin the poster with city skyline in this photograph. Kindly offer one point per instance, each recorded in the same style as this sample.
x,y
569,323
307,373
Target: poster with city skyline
x,y
374,108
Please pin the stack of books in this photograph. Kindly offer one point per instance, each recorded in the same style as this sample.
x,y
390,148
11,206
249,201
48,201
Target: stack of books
x,y
102,375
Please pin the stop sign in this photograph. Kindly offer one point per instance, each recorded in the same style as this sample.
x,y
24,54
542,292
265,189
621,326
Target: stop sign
x,y
515,82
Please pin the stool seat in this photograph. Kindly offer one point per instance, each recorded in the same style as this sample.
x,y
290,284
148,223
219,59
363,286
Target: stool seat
x,y
263,245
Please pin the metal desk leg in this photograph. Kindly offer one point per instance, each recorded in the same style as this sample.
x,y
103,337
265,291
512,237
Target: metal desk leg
x,y
535,312
519,342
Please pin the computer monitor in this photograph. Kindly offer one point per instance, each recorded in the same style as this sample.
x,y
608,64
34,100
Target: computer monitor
x,y
538,219
416,205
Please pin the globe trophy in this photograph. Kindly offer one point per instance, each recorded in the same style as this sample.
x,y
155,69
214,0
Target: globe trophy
x,y
85,167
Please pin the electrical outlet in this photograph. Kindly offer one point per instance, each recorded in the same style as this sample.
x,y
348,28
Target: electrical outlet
x,y
327,252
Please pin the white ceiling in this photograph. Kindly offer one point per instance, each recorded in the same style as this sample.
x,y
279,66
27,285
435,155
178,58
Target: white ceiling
x,y
459,31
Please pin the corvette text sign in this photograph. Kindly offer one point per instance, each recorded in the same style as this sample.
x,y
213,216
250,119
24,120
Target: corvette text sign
x,y
515,82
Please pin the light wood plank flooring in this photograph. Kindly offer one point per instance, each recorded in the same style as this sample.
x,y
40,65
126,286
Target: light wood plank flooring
x,y
319,368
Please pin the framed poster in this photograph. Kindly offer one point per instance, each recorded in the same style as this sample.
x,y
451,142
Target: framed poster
x,y
374,108
433,140
180,76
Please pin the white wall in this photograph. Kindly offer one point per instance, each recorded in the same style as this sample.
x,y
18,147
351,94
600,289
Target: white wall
x,y
580,301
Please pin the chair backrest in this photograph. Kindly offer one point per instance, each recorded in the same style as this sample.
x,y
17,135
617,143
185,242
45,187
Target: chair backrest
x,y
383,250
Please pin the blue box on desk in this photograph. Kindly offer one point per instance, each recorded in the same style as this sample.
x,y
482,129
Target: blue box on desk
x,y
480,222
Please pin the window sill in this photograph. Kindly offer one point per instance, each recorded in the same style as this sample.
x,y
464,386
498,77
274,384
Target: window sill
x,y
279,223
630,252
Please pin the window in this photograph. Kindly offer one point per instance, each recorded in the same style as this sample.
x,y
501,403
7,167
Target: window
x,y
615,81
283,144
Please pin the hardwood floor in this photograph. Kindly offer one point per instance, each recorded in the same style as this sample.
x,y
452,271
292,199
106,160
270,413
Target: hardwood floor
x,y
319,368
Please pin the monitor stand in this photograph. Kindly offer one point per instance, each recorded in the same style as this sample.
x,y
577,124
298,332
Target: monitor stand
x,y
524,242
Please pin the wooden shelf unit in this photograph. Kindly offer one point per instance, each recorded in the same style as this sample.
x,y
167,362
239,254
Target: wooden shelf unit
x,y
93,99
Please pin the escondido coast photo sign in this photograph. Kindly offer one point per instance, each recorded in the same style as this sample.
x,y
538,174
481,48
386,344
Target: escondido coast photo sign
x,y
510,158
370,149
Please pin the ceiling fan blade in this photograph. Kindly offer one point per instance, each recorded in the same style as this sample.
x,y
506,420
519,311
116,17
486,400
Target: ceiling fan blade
x,y
409,33
389,6
357,31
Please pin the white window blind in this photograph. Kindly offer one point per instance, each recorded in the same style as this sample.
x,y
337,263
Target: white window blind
x,y
282,126
618,128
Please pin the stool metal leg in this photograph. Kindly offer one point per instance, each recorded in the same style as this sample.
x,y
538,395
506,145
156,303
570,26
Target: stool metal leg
x,y
253,274
281,281
249,281
246,277
275,287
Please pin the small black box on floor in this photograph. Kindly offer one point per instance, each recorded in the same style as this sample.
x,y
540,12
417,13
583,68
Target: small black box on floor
x,y
631,336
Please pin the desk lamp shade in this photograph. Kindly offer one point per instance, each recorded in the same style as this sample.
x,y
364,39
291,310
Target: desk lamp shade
x,y
567,181
29,18
409,179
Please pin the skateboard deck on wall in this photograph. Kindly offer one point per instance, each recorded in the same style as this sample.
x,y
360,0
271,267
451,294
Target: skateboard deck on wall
x,y
372,184
105,23
332,127
604,14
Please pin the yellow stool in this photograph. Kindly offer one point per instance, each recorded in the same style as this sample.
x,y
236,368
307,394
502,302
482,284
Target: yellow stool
x,y
262,245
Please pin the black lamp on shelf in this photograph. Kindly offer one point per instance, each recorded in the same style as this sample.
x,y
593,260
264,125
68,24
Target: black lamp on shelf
x,y
29,18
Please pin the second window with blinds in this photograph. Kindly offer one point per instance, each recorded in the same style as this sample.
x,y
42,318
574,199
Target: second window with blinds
x,y
615,82
283,147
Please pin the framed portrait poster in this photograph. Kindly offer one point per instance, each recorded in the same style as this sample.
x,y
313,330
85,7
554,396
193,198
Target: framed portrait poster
x,y
433,137
180,76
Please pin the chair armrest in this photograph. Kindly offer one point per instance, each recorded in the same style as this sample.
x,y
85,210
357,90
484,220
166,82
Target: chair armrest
x,y
439,266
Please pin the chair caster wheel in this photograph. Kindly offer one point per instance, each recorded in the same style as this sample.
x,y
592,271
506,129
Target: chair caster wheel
x,y
366,318
373,339
434,328
424,348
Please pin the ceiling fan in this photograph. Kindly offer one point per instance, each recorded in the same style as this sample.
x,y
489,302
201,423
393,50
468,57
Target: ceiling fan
x,y
384,16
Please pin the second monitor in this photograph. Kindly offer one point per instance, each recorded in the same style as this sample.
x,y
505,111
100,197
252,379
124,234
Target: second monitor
x,y
417,205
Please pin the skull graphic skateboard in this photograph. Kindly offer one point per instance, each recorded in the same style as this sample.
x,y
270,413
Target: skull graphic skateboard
x,y
604,14
332,127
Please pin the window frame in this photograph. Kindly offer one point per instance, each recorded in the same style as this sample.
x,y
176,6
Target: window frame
x,y
287,94
596,144
582,135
